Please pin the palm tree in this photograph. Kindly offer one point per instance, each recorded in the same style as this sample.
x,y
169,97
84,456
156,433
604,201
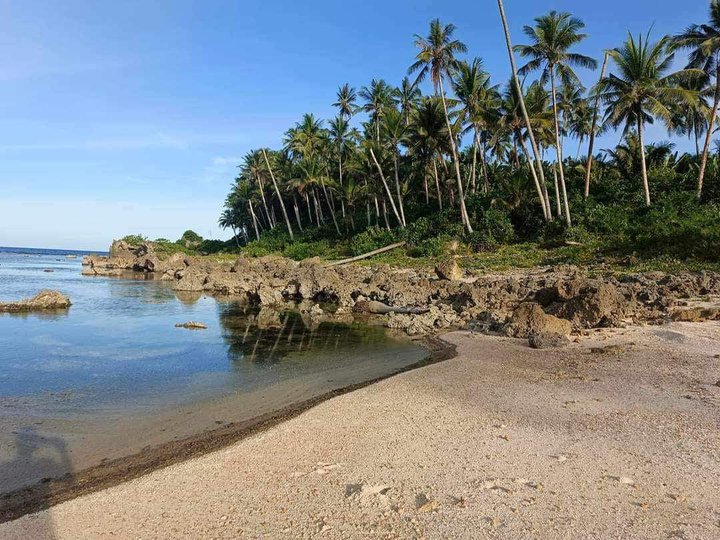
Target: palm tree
x,y
378,97
593,128
428,137
346,97
552,37
395,130
518,89
340,133
643,90
480,102
436,59
515,108
704,42
279,196
407,96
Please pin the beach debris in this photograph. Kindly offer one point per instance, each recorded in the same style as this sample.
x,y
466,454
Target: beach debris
x,y
609,349
44,300
677,497
192,325
379,308
625,480
321,469
424,504
368,493
561,458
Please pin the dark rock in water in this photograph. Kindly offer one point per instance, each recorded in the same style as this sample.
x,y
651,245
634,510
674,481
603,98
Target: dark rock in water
x,y
48,270
43,301
547,340
192,325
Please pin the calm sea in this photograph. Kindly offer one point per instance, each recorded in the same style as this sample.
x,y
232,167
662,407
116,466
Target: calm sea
x,y
116,354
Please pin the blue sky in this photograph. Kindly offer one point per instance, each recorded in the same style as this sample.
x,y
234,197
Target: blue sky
x,y
127,117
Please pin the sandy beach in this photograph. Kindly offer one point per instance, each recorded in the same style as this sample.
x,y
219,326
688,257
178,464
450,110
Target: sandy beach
x,y
615,436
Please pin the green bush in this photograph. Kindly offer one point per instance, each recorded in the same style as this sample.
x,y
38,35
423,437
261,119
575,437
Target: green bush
x,y
134,239
306,250
371,239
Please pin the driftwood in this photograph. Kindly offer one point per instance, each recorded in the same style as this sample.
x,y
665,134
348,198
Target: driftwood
x,y
378,308
366,255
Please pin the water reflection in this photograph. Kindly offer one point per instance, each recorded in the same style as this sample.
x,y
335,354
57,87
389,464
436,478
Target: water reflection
x,y
267,335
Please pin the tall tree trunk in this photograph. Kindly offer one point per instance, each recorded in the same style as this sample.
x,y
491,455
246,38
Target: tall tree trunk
x,y
277,192
425,184
558,147
642,158
387,189
473,167
708,136
340,171
309,210
385,214
437,183
317,206
538,186
456,161
264,202
397,189
593,127
297,213
483,162
254,219
526,117
330,206
557,193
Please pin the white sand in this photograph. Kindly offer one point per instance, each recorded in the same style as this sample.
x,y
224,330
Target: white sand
x,y
500,442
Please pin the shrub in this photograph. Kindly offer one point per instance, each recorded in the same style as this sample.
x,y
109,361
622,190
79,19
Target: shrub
x,y
371,239
134,239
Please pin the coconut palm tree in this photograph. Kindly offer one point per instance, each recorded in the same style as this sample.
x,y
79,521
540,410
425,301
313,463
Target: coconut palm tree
x,y
480,102
436,59
428,137
703,40
279,196
593,129
552,37
407,96
378,96
644,89
394,131
515,108
340,133
346,98
518,89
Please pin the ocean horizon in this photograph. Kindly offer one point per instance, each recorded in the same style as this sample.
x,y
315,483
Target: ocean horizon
x,y
19,250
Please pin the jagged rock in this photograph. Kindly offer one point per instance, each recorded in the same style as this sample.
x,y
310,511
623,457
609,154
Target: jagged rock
x,y
592,304
529,318
449,270
45,300
192,325
698,314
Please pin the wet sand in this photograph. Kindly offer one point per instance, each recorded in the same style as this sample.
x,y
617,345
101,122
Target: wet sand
x,y
617,436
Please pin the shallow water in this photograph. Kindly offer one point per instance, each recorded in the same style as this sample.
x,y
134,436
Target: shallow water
x,y
117,355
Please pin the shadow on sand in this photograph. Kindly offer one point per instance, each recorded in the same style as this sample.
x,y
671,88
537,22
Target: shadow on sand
x,y
34,452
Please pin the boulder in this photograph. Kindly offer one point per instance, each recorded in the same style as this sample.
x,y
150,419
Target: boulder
x,y
529,318
449,270
547,340
594,303
43,301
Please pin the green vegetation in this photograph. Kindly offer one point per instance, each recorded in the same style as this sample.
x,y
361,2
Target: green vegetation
x,y
486,171
190,243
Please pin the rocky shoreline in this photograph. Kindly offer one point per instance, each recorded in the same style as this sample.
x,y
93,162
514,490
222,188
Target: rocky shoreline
x,y
543,305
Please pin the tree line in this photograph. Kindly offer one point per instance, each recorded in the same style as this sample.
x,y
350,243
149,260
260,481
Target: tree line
x,y
392,154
